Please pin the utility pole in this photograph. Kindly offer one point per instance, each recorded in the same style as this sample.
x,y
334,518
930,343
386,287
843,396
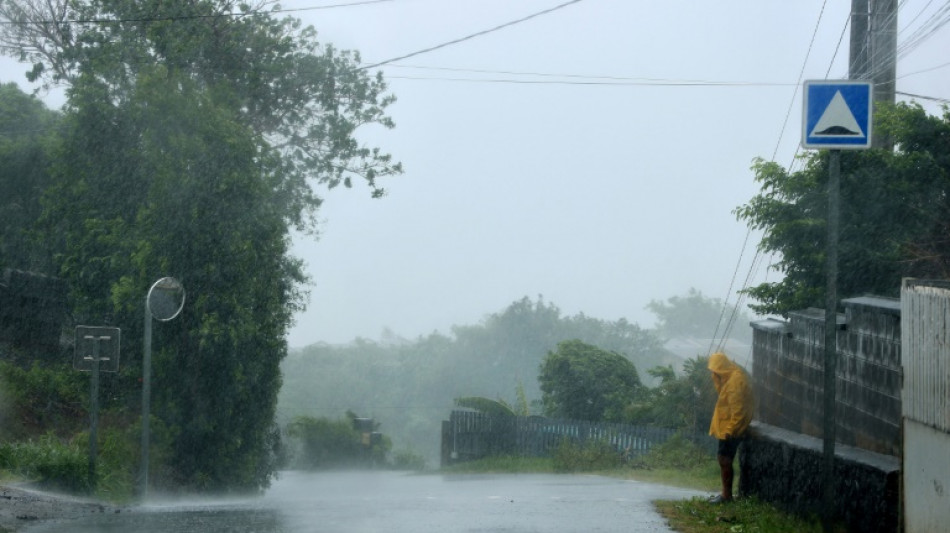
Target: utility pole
x,y
873,54
883,41
858,57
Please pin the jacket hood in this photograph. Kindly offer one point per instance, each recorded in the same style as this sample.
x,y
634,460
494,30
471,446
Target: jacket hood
x,y
735,405
721,365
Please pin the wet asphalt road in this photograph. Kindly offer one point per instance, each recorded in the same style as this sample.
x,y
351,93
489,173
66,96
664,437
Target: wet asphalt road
x,y
393,502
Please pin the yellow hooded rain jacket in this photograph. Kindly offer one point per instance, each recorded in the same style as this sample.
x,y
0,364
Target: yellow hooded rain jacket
x,y
733,412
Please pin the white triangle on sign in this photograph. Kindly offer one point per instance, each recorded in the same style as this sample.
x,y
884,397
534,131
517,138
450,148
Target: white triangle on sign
x,y
837,120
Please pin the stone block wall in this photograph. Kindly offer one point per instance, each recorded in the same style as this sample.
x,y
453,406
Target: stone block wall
x,y
788,373
784,467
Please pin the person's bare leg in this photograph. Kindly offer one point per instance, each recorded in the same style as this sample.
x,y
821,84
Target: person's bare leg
x,y
726,472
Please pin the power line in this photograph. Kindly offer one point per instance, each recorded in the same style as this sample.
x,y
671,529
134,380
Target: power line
x,y
642,83
927,29
923,71
581,76
758,252
472,36
585,78
922,97
801,74
847,22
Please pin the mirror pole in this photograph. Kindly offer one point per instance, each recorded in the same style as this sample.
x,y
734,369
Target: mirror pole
x,y
146,396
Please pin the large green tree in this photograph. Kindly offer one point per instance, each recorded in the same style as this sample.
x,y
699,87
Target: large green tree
x,y
894,214
27,131
196,136
585,382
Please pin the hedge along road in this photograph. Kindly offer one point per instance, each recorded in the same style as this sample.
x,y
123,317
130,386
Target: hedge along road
x,y
395,502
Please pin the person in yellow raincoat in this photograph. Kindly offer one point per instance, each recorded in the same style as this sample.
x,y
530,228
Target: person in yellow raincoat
x,y
731,417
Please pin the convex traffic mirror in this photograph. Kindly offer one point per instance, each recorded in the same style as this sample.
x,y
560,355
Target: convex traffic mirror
x,y
166,299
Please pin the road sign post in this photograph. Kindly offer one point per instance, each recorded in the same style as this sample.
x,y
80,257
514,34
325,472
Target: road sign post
x,y
836,116
96,349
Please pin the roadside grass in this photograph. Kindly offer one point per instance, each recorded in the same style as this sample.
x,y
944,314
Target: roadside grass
x,y
678,463
744,515
53,464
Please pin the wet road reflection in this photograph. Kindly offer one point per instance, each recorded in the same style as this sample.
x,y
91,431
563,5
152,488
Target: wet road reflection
x,y
393,502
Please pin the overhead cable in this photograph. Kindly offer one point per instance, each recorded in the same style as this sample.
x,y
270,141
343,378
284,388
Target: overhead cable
x,y
801,74
847,22
472,36
922,97
597,81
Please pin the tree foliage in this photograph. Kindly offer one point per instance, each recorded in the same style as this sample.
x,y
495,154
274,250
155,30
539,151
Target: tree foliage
x,y
412,384
684,401
894,214
194,138
27,131
697,316
497,408
41,399
584,382
327,443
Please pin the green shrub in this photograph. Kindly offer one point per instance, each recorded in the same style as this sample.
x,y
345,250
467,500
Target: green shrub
x,y
593,455
43,398
677,453
49,462
118,453
407,460
326,443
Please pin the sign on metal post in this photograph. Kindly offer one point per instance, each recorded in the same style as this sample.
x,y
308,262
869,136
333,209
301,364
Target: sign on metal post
x,y
837,114
91,338
97,350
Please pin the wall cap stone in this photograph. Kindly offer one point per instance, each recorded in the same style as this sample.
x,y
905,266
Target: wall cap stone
x,y
879,461
880,303
770,324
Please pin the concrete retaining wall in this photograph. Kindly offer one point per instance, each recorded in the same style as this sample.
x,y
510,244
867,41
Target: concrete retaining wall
x,y
781,463
788,372
784,467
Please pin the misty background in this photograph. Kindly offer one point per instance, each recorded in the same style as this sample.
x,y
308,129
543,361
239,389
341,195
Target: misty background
x,y
592,155
576,166
591,152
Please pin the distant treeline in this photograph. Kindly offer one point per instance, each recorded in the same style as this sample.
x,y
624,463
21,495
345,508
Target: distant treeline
x,y
410,386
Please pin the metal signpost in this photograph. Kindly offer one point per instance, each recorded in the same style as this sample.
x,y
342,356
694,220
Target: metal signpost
x,y
164,301
97,350
837,116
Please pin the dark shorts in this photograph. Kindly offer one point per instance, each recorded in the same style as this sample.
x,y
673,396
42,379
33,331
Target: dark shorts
x,y
728,447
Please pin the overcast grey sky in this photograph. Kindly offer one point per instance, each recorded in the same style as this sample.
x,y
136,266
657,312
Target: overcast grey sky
x,y
594,185
598,197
